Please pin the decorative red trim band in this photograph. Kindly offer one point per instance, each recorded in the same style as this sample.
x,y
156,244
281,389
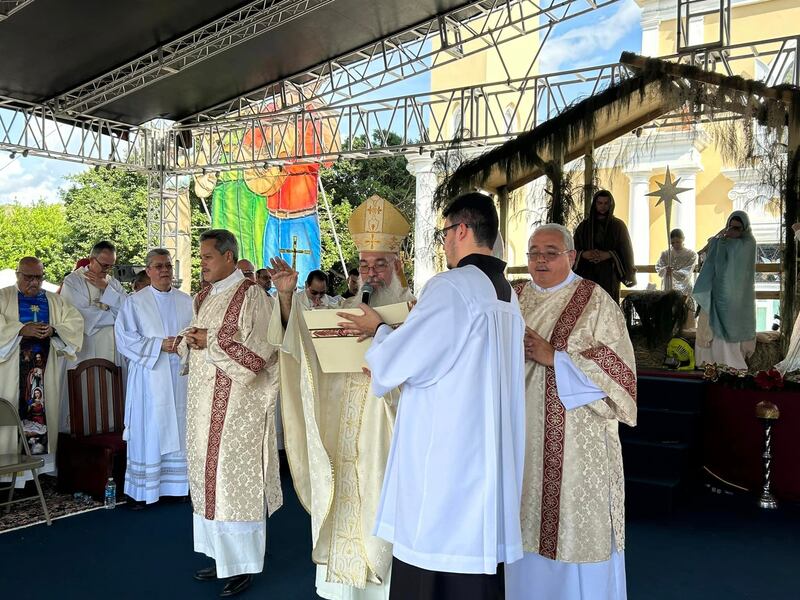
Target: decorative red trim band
x,y
613,366
555,425
219,408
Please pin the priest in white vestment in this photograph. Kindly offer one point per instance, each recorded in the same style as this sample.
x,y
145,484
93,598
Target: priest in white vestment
x,y
336,432
580,379
230,432
35,322
98,297
155,401
451,493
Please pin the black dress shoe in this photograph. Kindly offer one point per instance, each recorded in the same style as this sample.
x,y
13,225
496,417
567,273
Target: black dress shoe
x,y
236,585
207,574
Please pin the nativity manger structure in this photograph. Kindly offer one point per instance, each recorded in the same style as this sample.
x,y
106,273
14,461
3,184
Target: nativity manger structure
x,y
754,126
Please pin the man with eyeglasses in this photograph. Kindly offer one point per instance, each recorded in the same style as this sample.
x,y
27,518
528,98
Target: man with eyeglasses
x,y
337,464
315,293
451,493
155,417
580,378
98,297
39,330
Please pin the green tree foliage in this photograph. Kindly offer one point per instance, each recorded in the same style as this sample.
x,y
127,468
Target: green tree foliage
x,y
341,212
103,204
354,181
37,230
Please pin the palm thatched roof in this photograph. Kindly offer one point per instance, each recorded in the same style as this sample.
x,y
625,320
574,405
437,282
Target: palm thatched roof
x,y
658,88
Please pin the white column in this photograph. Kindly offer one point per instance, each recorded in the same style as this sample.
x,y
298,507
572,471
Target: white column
x,y
684,213
650,37
421,166
639,221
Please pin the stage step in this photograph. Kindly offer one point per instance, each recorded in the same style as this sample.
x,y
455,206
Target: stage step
x,y
646,458
647,495
670,393
663,425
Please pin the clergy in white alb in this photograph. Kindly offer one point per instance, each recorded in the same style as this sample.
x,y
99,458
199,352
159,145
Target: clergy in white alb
x,y
39,331
451,492
98,297
336,431
580,379
230,434
155,401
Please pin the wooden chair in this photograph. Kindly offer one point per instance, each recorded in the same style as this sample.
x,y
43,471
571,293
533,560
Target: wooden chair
x,y
11,464
94,449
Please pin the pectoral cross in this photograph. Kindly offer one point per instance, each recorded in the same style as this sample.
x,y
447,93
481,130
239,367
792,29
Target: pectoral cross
x,y
294,252
35,311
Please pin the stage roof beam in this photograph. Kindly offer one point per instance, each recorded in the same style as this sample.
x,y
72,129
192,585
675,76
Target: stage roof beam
x,y
252,20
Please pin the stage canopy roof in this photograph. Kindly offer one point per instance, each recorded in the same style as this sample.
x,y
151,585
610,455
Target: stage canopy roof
x,y
50,48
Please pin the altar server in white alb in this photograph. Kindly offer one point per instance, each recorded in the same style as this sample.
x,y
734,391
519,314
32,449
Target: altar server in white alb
x,y
580,379
155,402
98,297
451,492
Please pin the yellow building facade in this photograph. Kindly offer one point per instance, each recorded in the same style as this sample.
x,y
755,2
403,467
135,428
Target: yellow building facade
x,y
716,188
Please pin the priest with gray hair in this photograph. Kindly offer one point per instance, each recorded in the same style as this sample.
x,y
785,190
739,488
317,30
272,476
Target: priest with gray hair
x,y
146,332
580,380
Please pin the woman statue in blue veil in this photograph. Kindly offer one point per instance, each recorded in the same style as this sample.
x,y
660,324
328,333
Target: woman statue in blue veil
x,y
724,291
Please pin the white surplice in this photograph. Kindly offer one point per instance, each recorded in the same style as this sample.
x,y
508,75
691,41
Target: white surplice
x,y
98,324
451,493
155,402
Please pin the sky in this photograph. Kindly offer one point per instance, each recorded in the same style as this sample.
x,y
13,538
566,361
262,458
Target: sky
x,y
593,39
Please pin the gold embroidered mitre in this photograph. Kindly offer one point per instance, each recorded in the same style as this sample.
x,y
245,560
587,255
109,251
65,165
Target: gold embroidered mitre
x,y
377,226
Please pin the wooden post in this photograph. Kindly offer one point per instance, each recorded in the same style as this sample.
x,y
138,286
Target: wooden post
x,y
588,179
790,216
502,214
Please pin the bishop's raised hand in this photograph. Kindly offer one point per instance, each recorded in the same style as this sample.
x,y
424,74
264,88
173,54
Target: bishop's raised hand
x,y
284,278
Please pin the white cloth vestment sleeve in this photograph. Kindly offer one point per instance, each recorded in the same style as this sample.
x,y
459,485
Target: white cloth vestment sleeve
x,y
574,387
76,293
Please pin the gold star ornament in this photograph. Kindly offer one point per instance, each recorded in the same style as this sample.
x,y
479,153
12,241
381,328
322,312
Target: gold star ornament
x,y
668,191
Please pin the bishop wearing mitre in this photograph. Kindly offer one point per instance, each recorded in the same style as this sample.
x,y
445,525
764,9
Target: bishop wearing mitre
x,y
336,432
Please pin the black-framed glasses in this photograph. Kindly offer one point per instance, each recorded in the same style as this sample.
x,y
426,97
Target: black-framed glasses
x,y
440,234
104,266
547,256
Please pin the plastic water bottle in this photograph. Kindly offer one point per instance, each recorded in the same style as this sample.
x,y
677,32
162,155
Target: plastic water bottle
x,y
111,493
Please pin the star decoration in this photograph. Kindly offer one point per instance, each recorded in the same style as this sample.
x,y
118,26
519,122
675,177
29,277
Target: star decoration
x,y
668,191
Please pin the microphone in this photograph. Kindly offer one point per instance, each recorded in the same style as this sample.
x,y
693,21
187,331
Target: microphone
x,y
366,292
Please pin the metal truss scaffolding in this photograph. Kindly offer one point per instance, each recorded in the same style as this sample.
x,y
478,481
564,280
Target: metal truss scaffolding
x,y
9,7
474,28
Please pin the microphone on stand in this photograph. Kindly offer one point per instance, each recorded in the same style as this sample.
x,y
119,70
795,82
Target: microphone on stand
x,y
366,292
